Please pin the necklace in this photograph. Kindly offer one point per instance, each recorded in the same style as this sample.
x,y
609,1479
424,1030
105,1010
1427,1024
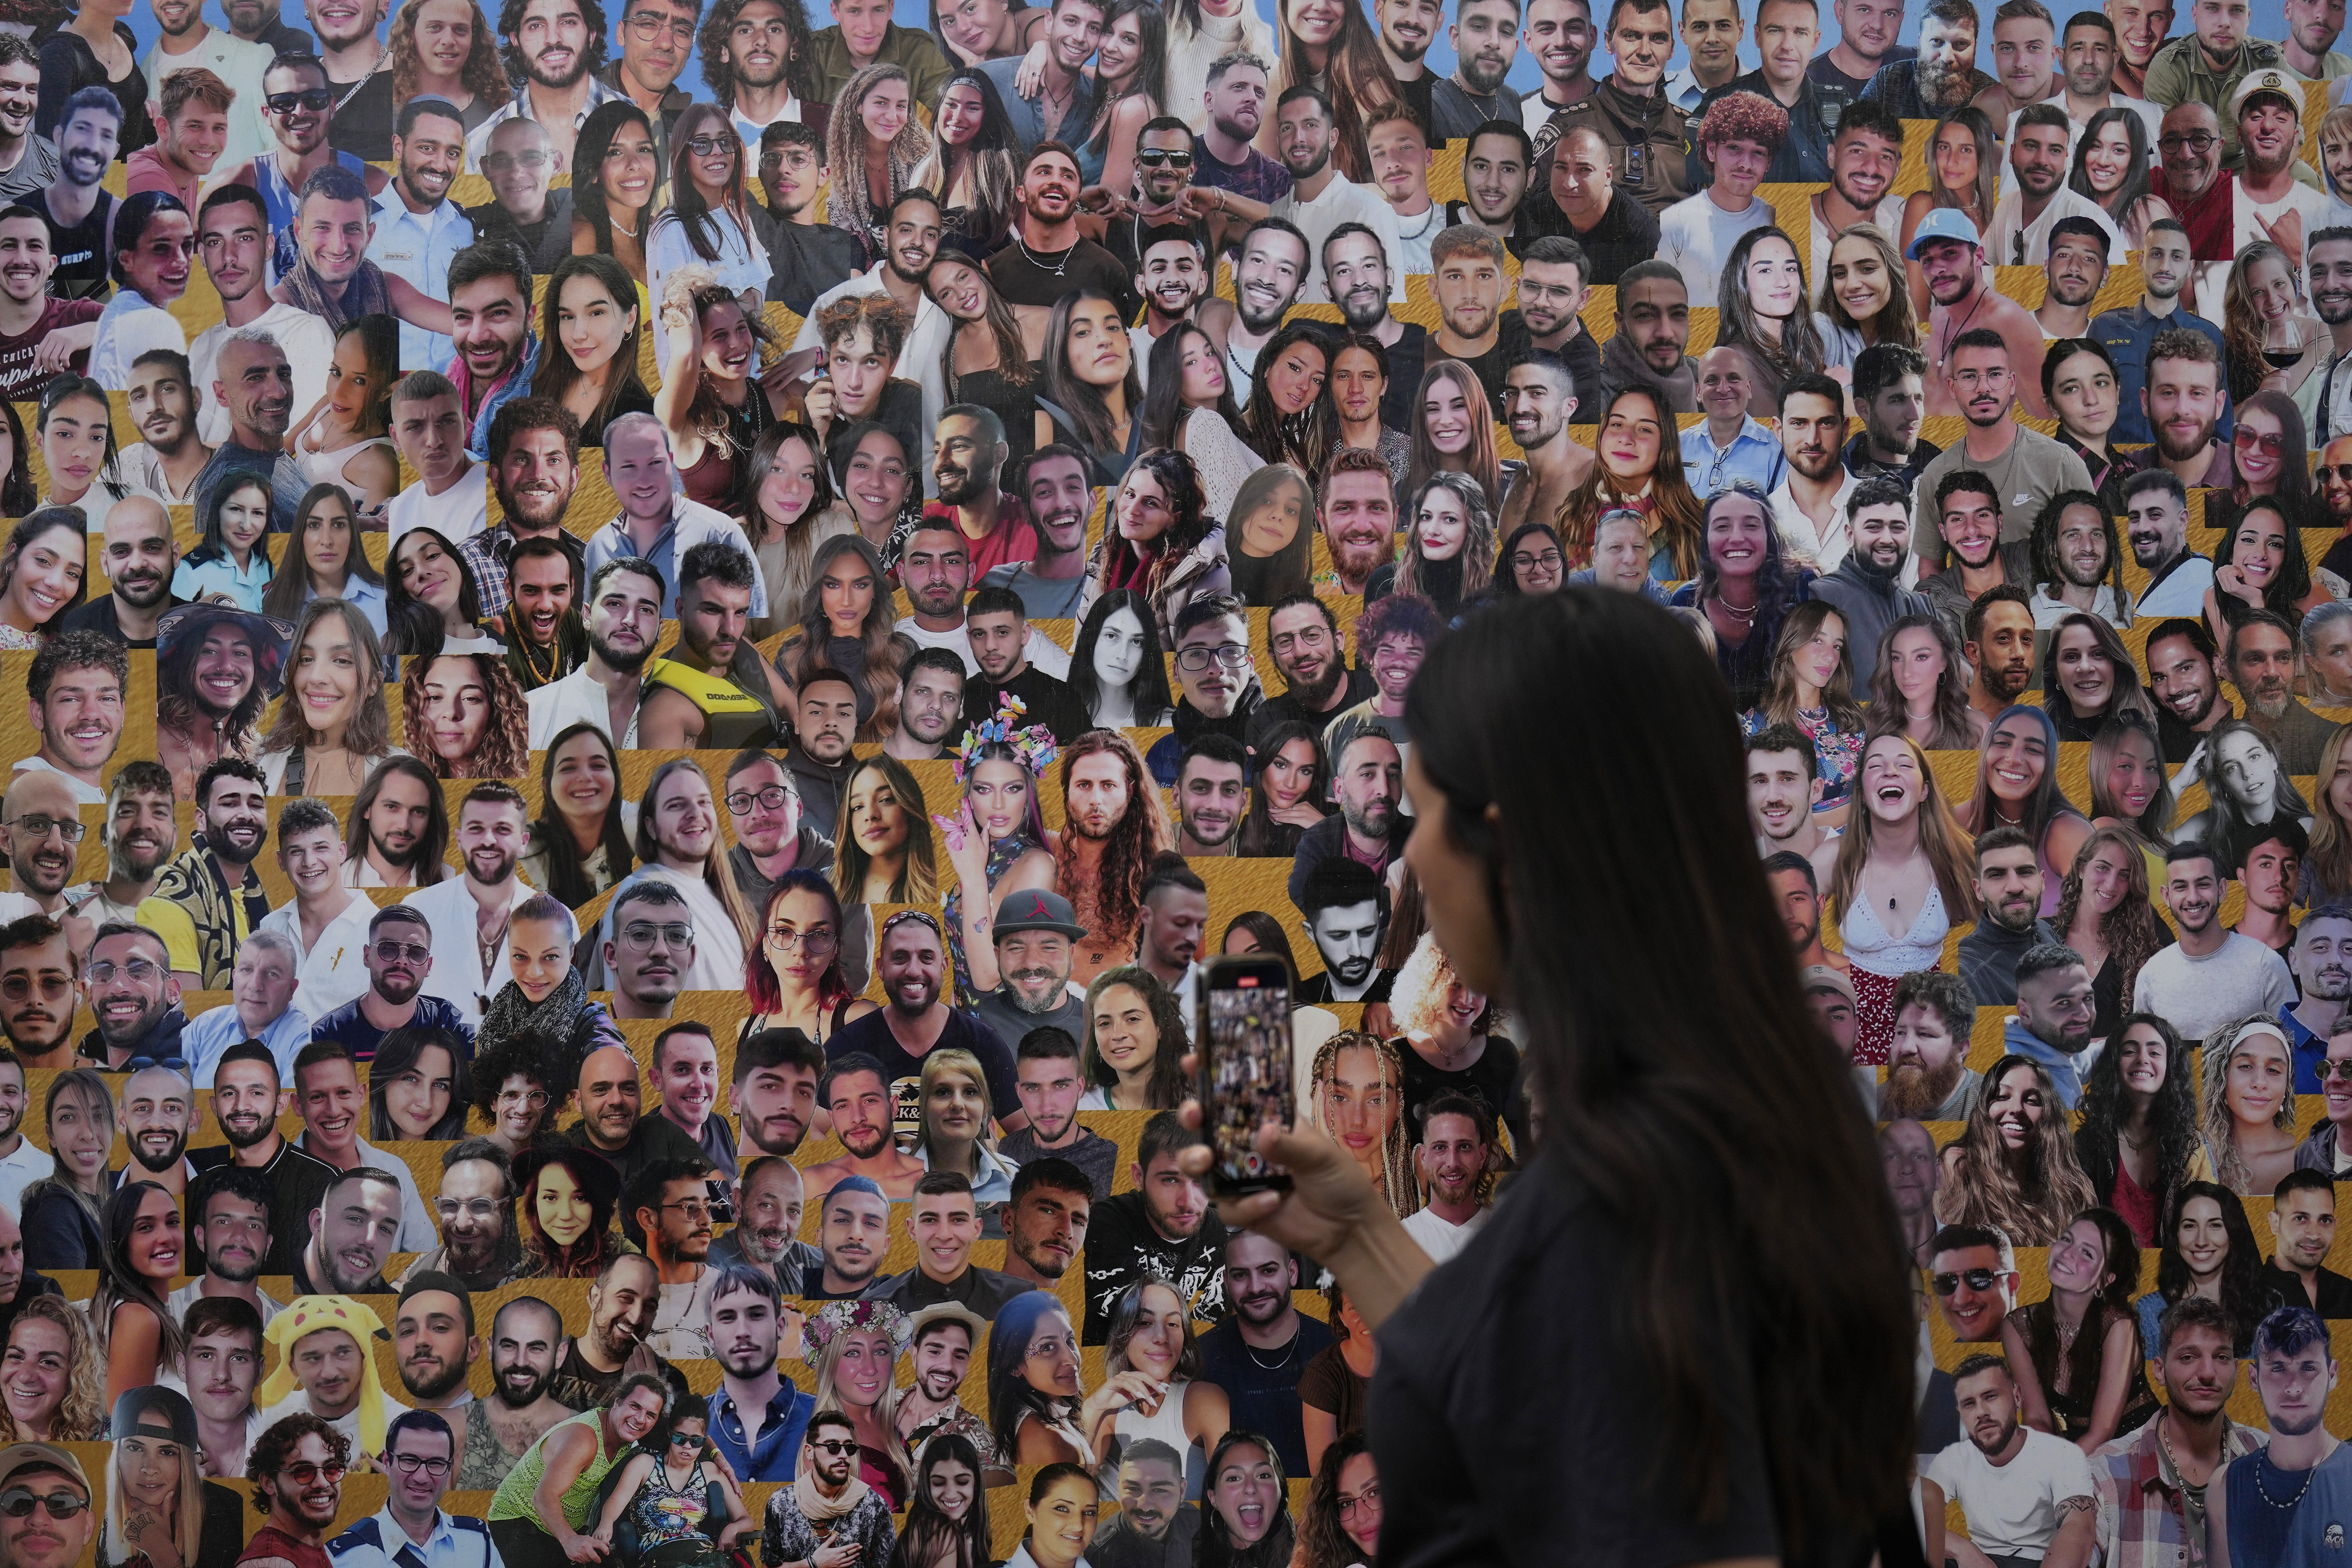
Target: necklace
x,y
2265,1492
2166,1444
1040,265
530,661
1278,1362
618,225
1745,617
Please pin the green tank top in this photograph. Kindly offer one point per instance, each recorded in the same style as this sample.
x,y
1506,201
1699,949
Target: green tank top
x,y
515,1498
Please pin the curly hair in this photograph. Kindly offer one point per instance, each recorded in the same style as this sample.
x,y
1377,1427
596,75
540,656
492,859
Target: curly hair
x,y
880,314
2172,1117
510,26
1742,117
2030,1197
504,749
1399,1188
1166,1087
799,51
1141,832
1321,1542
2222,1050
276,1444
1189,523
82,1414
696,290
2242,319
484,74
2131,931
500,1060
1417,995
850,203
2243,1298
2042,545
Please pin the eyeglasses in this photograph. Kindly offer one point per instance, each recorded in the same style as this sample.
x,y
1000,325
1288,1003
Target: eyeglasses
x,y
2198,142
17,987
105,968
1164,157
806,941
472,1208
317,99
1549,559
499,162
640,935
36,827
390,951
1976,1279
703,146
1231,655
768,799
2341,1071
693,1208
650,29
2269,443
1369,1497
834,1445
2341,473
304,1473
412,1463
18,1502
532,1099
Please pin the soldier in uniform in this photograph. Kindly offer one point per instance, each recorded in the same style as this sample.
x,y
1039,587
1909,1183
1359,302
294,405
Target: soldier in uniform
x,y
1630,111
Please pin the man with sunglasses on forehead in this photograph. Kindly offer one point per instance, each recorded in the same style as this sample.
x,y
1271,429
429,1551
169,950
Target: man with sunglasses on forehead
x,y
297,1468
298,102
45,1519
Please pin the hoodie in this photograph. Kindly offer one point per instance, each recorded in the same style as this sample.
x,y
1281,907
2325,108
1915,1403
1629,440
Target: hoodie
x,y
1989,956
2065,1071
1870,600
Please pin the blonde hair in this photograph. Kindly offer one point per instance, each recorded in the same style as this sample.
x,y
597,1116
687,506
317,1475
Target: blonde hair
x,y
937,1064
82,1414
188,1521
1400,1188
1417,995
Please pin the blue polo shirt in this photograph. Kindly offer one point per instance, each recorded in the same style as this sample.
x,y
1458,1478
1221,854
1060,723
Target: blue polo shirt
x,y
2127,334
2310,1051
772,1458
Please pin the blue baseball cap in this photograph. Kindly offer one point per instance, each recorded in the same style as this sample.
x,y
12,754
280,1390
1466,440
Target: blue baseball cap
x,y
1943,222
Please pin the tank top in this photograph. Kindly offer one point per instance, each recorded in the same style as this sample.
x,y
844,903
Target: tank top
x,y
666,1513
2289,1516
1166,1424
80,250
1870,947
515,1500
731,718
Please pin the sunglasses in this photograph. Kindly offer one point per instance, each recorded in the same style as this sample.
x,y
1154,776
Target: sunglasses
x,y
834,1447
2269,442
317,99
2341,1071
304,1473
2340,473
18,1502
1976,1279
390,951
1164,158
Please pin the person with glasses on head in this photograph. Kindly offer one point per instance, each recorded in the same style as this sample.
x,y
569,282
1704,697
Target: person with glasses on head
x,y
296,1468
669,1203
45,1519
398,957
411,1529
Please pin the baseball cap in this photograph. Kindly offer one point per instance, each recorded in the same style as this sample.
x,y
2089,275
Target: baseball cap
x,y
18,1456
1940,223
1821,977
1037,909
2269,79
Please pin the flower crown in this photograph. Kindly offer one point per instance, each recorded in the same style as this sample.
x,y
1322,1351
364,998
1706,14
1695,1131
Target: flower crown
x,y
845,1317
1033,744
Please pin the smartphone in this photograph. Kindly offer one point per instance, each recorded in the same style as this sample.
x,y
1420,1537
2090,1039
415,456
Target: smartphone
x,y
1244,1076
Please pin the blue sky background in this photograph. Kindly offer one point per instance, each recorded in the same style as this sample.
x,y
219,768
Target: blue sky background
x,y
2268,22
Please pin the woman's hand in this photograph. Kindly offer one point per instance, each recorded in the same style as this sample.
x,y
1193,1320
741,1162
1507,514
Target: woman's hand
x,y
968,851
2232,579
1121,1391
1330,1200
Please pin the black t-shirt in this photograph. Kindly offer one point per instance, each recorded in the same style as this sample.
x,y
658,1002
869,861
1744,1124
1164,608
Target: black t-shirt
x,y
807,259
1265,1398
80,250
1022,281
1497,1415
872,1036
1488,1078
1583,357
578,1386
1051,702
1285,709
302,1181
1122,1247
1510,343
98,616
546,242
1419,93
363,117
1405,359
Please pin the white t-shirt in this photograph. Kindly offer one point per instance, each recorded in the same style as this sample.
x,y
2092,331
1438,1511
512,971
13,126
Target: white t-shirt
x,y
1342,200
2012,1509
334,971
2200,996
2009,227
1695,235
458,513
1040,649
310,345
1441,1238
2248,216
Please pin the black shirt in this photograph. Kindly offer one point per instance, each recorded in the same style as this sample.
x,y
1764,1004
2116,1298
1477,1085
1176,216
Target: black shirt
x,y
80,250
1026,277
2282,1289
1488,1078
1406,356
654,1137
1050,702
871,1035
1627,233
1286,708
1265,1398
1095,1155
546,242
576,1385
302,1181
1510,343
1122,1247
809,259
364,118
1497,1412
98,616
1317,988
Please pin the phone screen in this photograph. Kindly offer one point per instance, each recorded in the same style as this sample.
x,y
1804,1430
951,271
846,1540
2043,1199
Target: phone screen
x,y
1246,1010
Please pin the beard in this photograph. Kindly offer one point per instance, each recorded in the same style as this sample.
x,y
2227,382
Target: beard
x,y
508,1397
1318,696
2171,453
627,664
154,1164
1913,1091
1943,88
445,1380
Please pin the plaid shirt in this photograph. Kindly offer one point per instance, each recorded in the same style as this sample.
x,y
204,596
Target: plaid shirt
x,y
2143,1521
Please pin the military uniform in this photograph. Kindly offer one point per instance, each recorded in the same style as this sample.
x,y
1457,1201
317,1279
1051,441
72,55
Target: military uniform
x,y
2181,74
1644,135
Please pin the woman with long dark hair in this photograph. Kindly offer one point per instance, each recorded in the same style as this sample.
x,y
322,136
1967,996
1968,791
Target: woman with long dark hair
x,y
2077,1351
1342,1525
1762,292
1092,398
229,564
971,165
1745,587
712,400
793,979
1812,690
139,1334
2208,1250
986,361
2105,914
2017,786
323,558
2014,1168
568,1198
1130,90
335,726
589,332
1288,793
2260,565
616,176
1245,1510
433,602
947,1522
1640,469
1333,49
2138,1140
788,509
1189,407
707,222
417,1087
1963,173
17,494
1448,556
1290,416
580,845
885,852
2112,159
873,145
1921,686
346,439
1161,542
75,424
1118,672
2088,675
847,625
